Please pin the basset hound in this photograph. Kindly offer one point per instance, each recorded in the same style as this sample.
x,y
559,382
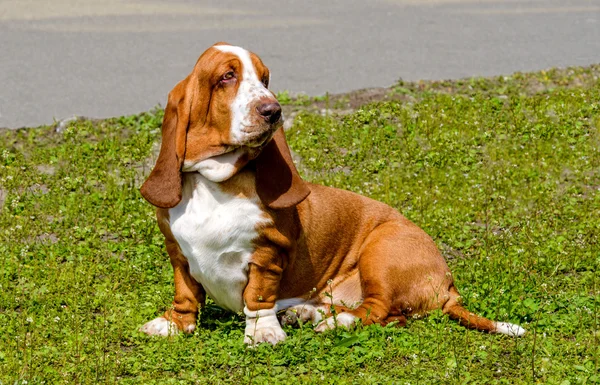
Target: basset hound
x,y
242,226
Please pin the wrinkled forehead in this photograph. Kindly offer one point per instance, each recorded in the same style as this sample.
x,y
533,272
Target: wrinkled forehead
x,y
252,66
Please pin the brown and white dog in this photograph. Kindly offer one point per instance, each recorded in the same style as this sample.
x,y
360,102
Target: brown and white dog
x,y
241,225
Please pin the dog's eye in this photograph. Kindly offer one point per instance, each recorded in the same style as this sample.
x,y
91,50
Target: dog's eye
x,y
265,82
228,76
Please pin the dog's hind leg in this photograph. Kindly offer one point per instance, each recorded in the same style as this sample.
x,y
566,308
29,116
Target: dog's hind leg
x,y
401,273
374,263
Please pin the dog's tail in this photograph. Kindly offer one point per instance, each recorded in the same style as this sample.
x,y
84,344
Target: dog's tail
x,y
472,321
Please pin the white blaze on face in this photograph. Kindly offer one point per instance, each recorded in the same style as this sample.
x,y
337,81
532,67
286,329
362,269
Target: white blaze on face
x,y
249,90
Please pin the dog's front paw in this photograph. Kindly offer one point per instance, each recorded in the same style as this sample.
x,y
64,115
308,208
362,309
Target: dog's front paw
x,y
160,327
262,326
257,335
346,320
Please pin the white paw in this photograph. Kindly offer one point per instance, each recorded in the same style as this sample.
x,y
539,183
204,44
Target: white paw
x,y
509,329
272,335
189,328
262,326
303,313
160,327
346,320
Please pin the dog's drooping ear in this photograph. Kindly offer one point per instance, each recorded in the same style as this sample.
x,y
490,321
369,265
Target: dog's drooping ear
x,y
278,183
163,186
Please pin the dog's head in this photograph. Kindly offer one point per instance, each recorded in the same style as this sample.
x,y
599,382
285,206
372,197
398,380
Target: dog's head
x,y
217,120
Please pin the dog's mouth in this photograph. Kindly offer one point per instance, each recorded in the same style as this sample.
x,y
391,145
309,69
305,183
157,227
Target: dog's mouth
x,y
253,143
251,149
260,140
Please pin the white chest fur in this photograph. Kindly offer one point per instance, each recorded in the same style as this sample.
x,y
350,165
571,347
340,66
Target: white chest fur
x,y
215,231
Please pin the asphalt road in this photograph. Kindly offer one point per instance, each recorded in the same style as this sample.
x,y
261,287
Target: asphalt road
x,y
102,58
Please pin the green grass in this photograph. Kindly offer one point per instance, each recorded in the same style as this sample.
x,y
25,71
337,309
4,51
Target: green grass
x,y
504,176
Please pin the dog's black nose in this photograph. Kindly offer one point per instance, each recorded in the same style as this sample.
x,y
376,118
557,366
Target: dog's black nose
x,y
270,111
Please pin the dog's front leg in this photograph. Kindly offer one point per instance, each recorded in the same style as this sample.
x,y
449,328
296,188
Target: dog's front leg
x,y
189,294
260,296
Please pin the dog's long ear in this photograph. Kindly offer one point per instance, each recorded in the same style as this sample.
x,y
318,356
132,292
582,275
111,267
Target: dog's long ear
x,y
163,186
277,181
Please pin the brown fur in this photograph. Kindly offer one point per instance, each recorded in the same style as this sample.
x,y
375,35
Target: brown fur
x,y
375,263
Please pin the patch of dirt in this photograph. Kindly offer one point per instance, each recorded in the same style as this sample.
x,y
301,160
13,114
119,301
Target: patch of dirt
x,y
52,238
342,104
37,188
46,169
450,253
3,195
356,99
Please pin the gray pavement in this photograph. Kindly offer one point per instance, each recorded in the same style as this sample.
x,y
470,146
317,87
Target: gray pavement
x,y
102,58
